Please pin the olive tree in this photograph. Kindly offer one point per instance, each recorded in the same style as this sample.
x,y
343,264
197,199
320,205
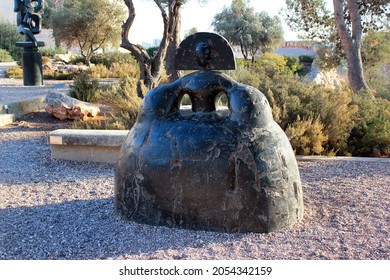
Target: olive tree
x,y
345,27
89,24
151,68
252,32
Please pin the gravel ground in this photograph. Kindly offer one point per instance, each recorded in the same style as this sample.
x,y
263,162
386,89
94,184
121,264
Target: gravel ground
x,y
55,209
13,90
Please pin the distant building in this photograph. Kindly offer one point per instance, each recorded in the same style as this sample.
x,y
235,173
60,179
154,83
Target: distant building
x,y
7,11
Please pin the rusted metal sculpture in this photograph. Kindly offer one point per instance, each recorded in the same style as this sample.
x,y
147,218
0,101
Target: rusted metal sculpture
x,y
229,170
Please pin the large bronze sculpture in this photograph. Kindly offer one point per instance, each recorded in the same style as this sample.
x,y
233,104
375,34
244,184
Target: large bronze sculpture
x,y
29,22
227,170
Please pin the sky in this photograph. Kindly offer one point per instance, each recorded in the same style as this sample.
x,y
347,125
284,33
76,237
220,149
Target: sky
x,y
148,24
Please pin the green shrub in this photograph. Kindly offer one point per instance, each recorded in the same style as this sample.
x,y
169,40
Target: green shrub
x,y
49,74
15,72
305,58
306,136
122,70
77,60
371,133
5,56
371,138
293,63
338,114
107,59
9,35
244,74
98,71
273,64
152,52
84,88
51,51
125,103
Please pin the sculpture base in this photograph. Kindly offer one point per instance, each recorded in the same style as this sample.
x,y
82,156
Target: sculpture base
x,y
32,63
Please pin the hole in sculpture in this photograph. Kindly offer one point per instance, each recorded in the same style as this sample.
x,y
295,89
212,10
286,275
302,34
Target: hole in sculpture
x,y
185,103
221,100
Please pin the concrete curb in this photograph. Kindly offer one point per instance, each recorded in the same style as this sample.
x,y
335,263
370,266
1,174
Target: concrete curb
x,y
6,119
86,145
23,107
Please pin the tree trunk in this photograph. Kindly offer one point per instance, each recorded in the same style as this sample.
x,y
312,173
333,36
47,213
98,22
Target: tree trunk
x,y
174,42
150,69
351,42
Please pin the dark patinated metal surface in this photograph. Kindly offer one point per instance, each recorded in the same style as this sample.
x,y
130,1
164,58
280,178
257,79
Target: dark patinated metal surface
x,y
29,22
229,170
205,51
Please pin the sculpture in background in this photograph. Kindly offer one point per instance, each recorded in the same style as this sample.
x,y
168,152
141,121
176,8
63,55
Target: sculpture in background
x,y
29,22
28,19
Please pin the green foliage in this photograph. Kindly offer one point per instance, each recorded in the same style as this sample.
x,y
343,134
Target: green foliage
x,y
48,74
305,58
108,58
5,56
376,62
122,70
51,51
371,138
15,72
91,24
98,71
84,88
295,102
152,52
293,63
9,35
125,103
371,134
245,75
307,136
272,64
253,32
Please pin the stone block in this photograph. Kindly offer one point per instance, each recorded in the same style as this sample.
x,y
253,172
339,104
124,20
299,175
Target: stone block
x,y
87,145
6,119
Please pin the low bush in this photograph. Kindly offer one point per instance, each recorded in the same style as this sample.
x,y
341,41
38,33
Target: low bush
x,y
98,71
49,74
84,88
122,70
5,56
124,103
371,138
15,72
51,51
9,35
107,59
123,100
307,136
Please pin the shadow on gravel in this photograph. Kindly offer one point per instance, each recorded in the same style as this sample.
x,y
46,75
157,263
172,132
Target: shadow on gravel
x,y
87,229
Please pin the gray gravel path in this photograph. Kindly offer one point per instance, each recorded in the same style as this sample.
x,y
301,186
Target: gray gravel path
x,y
13,90
55,209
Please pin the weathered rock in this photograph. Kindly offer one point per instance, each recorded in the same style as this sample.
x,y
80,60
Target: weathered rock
x,y
65,107
63,57
72,68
